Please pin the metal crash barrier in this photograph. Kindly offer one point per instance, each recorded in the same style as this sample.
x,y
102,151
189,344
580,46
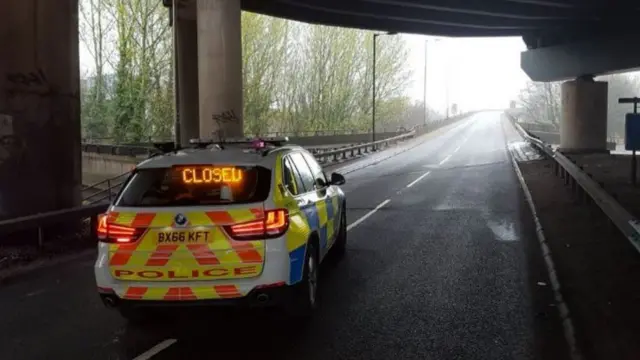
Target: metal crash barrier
x,y
587,188
98,196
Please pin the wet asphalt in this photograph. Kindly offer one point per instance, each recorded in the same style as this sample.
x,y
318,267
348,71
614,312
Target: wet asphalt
x,y
447,268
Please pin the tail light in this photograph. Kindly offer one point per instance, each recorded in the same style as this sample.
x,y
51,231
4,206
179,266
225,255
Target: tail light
x,y
274,224
119,234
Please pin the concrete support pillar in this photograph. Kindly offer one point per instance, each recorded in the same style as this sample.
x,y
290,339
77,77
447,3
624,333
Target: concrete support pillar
x,y
187,31
583,127
40,162
220,68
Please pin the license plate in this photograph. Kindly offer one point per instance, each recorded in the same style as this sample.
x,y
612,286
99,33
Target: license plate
x,y
183,237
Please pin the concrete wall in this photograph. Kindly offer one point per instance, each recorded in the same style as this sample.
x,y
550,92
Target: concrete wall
x,y
39,107
100,162
307,141
106,161
103,166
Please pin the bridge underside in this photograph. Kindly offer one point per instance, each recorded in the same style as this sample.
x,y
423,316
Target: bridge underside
x,y
563,36
39,67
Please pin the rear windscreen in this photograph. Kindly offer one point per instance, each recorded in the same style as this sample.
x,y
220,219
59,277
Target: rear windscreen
x,y
196,185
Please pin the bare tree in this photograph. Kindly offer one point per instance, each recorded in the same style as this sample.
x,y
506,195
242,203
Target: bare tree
x,y
96,25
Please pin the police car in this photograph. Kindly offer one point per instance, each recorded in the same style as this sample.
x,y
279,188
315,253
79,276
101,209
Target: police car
x,y
233,223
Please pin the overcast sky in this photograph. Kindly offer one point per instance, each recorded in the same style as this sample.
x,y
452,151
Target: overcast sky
x,y
480,72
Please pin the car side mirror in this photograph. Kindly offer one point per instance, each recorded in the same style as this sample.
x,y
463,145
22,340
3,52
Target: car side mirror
x,y
321,184
337,179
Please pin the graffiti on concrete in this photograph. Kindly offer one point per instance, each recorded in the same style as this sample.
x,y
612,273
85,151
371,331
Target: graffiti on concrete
x,y
225,117
6,133
11,145
34,101
228,116
22,85
27,79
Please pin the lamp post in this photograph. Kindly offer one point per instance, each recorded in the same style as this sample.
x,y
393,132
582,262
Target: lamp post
x,y
426,53
426,45
176,75
373,109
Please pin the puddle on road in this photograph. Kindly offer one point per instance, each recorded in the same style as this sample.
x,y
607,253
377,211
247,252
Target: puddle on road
x,y
503,230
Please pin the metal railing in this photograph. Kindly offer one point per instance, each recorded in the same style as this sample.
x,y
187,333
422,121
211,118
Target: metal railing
x,y
147,150
586,187
328,132
96,196
41,221
356,150
103,190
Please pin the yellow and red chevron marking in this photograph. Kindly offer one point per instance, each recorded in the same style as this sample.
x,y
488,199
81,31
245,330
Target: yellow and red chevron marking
x,y
182,258
184,293
196,218
162,255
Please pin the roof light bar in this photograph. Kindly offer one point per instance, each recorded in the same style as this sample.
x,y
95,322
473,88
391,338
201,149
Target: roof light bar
x,y
275,140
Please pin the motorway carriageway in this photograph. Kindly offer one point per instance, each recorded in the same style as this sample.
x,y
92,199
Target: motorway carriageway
x,y
443,263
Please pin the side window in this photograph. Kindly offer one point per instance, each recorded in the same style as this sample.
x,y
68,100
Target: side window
x,y
292,180
304,171
316,169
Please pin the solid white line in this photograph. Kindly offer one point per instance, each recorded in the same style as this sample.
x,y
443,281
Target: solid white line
x,y
445,159
418,179
357,222
155,350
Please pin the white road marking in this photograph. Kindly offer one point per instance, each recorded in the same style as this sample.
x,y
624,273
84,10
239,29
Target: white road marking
x,y
155,350
359,221
418,179
456,150
34,293
445,159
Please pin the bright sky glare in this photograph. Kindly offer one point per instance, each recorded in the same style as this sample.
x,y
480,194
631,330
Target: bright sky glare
x,y
479,73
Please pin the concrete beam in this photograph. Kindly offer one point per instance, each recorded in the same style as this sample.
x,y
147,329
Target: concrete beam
x,y
597,56
220,68
188,109
39,99
583,127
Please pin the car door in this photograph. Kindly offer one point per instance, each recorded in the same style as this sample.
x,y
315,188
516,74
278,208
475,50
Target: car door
x,y
321,212
332,197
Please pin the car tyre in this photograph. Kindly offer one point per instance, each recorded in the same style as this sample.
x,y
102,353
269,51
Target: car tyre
x,y
305,297
340,247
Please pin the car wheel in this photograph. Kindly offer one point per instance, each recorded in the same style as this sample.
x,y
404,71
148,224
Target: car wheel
x,y
306,292
340,247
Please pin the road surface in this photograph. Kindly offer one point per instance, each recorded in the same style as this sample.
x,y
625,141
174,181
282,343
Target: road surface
x,y
442,264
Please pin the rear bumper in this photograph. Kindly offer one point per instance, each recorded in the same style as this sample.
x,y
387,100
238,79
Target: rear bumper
x,y
257,298
241,291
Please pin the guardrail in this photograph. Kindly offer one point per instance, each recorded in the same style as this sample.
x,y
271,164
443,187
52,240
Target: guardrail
x,y
144,151
91,211
341,153
107,189
41,221
150,139
103,190
582,184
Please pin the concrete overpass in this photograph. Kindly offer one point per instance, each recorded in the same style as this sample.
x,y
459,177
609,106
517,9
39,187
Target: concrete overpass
x,y
39,70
